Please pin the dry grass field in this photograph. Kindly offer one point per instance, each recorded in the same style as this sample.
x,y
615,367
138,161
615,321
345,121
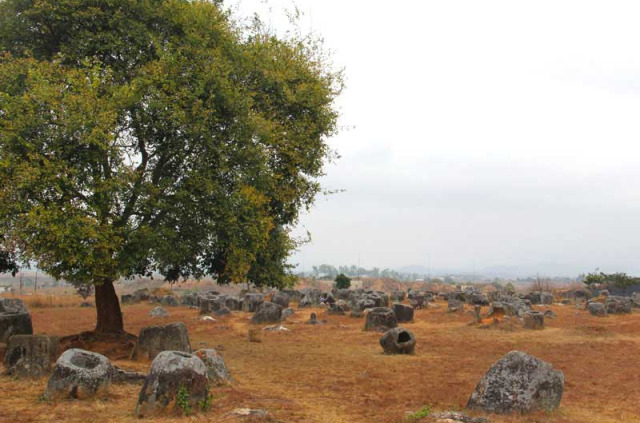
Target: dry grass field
x,y
336,372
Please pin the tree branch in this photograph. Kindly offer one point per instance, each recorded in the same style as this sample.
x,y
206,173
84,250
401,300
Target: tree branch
x,y
140,170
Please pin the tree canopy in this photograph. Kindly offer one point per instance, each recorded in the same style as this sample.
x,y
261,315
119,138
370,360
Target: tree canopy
x,y
343,281
144,136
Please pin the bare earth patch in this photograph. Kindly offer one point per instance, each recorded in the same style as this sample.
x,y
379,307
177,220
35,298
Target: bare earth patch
x,y
337,373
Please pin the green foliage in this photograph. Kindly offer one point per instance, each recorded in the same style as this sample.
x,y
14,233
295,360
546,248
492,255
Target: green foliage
x,y
8,263
425,411
182,401
594,278
143,136
510,288
618,280
205,404
342,281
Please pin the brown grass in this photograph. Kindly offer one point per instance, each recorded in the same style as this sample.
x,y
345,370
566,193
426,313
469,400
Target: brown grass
x,y
337,373
50,300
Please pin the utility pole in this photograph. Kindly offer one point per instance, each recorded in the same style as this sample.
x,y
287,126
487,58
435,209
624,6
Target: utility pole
x,y
35,284
20,283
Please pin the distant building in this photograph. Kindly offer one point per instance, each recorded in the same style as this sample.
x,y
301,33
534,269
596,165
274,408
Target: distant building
x,y
5,287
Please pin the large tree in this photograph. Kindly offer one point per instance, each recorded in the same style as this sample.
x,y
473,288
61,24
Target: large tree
x,y
142,136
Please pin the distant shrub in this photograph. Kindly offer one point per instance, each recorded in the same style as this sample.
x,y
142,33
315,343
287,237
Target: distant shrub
x,y
618,280
343,281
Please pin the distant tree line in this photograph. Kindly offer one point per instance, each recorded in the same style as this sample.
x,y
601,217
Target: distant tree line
x,y
617,280
327,271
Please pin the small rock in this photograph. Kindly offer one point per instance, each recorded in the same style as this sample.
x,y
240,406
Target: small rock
x,y
247,412
159,311
277,328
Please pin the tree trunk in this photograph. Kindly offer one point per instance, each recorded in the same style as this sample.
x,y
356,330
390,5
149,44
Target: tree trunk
x,y
108,309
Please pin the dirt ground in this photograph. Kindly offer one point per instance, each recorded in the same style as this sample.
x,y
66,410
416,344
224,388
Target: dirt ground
x,y
336,372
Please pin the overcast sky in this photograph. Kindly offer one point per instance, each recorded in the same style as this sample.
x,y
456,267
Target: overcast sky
x,y
482,133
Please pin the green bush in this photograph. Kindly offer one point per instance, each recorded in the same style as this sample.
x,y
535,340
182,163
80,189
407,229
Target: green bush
x,y
343,281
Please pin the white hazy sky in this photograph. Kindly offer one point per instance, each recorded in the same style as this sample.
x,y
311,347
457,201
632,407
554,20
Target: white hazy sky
x,y
483,133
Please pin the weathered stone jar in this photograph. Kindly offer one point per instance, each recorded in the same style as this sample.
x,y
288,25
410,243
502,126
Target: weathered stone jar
x,y
404,313
534,320
14,319
173,373
79,374
398,341
30,355
155,339
380,319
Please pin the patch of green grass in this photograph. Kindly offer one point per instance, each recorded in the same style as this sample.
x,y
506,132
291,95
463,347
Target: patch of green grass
x,y
205,404
182,400
425,411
